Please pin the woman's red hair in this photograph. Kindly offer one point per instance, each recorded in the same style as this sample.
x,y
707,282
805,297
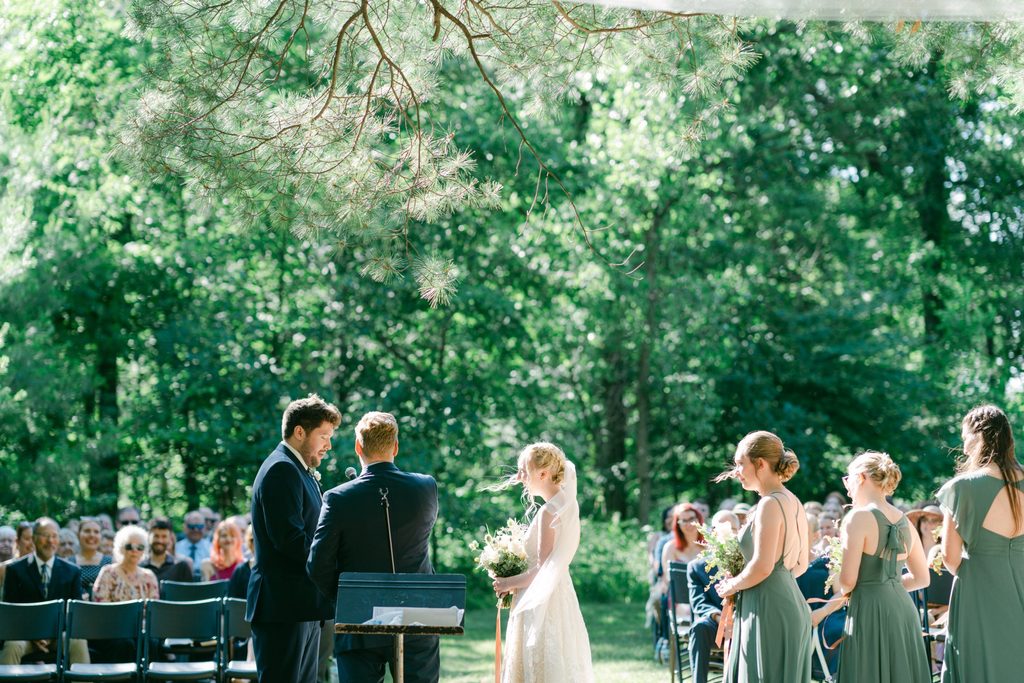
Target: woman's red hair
x,y
222,558
677,533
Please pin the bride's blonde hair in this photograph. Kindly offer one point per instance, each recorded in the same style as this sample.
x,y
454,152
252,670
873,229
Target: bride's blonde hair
x,y
537,456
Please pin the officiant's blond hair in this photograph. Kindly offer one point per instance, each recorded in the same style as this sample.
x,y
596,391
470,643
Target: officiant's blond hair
x,y
377,433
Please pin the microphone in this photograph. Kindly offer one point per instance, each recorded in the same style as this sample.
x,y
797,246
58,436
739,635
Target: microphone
x,y
350,473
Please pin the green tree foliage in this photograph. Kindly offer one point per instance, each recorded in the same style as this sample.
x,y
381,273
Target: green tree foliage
x,y
838,259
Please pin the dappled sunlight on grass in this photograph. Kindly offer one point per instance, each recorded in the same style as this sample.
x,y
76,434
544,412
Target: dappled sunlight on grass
x,y
621,647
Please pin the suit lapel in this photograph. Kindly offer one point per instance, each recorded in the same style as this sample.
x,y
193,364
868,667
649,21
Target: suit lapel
x,y
309,483
35,578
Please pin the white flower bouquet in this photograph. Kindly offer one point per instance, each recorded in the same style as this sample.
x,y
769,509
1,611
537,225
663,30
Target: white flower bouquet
x,y
503,554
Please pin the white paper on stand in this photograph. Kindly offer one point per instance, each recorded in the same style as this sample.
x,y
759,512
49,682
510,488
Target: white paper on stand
x,y
416,616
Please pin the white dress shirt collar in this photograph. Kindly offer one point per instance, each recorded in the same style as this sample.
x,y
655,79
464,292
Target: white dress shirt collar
x,y
40,563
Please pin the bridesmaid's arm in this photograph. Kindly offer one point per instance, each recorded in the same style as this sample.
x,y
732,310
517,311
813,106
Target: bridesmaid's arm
x,y
917,576
522,581
767,525
853,535
952,544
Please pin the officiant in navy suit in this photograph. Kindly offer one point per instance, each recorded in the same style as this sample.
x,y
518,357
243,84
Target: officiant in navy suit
x,y
284,606
352,536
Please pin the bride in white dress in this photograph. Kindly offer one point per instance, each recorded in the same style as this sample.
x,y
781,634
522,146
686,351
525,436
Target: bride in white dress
x,y
547,640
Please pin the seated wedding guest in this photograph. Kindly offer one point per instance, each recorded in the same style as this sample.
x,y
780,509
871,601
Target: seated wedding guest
x,y
927,519
24,546
654,617
128,515
107,542
813,533
830,618
195,546
883,633
68,546
38,577
125,579
89,558
106,522
684,547
741,510
706,610
161,560
685,544
703,508
72,525
654,540
828,527
725,523
983,545
121,581
211,519
225,553
836,502
8,541
239,582
813,507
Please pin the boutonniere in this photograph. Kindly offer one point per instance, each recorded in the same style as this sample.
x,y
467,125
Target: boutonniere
x,y
315,473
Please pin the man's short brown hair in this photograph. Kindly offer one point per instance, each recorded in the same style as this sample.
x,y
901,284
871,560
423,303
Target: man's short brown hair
x,y
308,413
377,433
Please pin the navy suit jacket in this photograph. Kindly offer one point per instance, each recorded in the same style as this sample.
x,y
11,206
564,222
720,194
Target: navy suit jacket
x,y
704,599
24,583
352,536
285,506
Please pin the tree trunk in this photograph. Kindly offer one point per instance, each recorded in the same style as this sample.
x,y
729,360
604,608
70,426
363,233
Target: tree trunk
x,y
643,384
612,453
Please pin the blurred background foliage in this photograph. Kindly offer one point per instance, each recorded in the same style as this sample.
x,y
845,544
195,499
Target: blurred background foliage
x,y
839,261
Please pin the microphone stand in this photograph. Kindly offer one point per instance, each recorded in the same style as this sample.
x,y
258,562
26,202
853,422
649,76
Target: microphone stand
x,y
399,672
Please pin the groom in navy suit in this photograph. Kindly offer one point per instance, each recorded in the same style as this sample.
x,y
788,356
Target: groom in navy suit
x,y
352,536
284,606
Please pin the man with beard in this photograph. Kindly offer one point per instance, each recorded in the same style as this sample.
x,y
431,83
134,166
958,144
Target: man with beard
x,y
285,608
161,560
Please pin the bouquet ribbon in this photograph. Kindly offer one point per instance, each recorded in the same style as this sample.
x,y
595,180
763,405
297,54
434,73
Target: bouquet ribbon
x,y
841,598
725,621
497,646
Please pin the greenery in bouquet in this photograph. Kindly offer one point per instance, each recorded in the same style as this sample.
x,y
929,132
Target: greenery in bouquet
x,y
834,553
721,554
503,554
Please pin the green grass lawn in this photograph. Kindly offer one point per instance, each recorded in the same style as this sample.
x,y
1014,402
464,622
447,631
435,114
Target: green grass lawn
x,y
620,644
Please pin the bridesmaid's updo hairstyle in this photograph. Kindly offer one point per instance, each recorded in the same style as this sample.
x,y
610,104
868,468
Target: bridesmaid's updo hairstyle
x,y
989,440
766,446
879,468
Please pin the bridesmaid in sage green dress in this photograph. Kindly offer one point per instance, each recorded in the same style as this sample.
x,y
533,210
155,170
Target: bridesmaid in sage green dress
x,y
983,544
882,640
771,635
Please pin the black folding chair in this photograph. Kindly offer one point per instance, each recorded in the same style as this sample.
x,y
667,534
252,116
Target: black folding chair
x,y
679,624
187,591
199,620
32,621
236,627
103,621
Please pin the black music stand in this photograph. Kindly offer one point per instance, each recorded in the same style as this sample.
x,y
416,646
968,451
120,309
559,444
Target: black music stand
x,y
359,593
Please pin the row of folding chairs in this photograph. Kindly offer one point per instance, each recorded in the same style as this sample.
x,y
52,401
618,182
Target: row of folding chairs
x,y
215,622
